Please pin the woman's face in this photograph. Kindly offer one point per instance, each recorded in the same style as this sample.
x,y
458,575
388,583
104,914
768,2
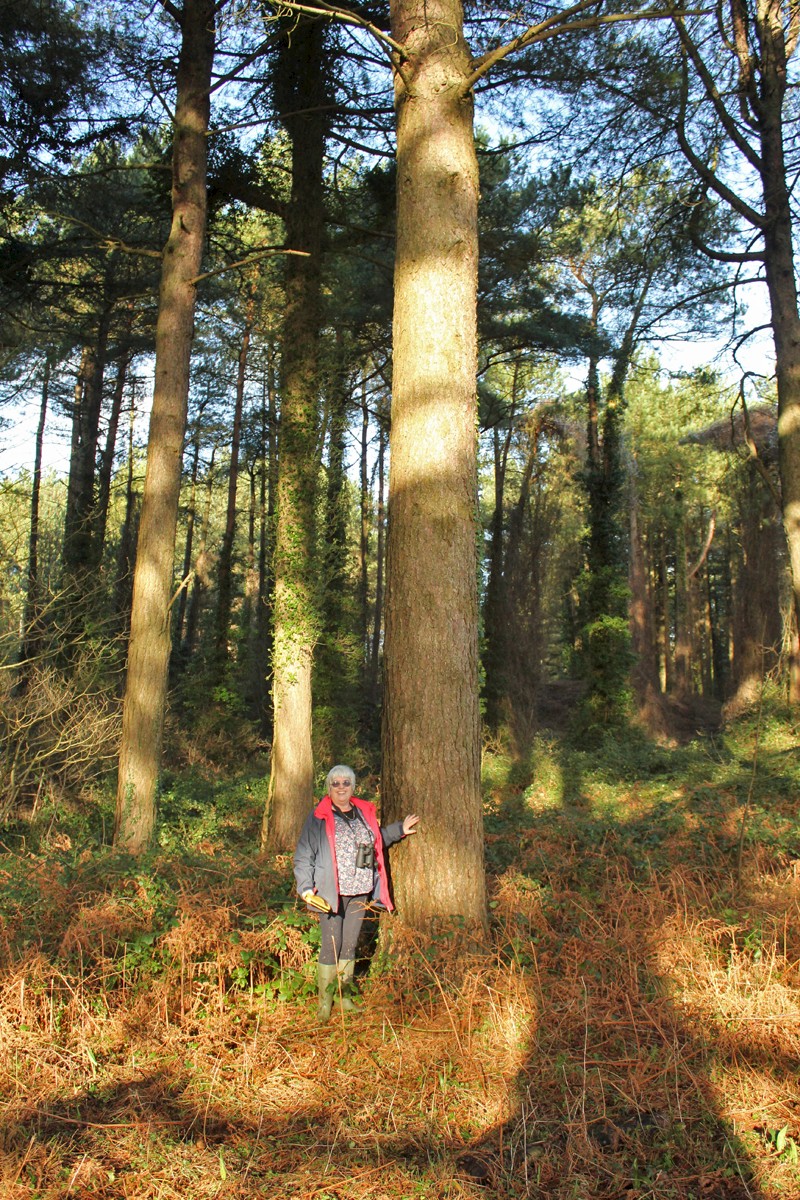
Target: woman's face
x,y
341,791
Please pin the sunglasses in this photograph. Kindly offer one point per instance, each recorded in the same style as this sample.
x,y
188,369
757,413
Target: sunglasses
x,y
341,783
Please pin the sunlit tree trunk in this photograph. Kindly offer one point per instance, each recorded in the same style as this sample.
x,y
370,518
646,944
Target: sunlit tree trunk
x,y
127,535
148,652
763,37
301,94
431,742
782,287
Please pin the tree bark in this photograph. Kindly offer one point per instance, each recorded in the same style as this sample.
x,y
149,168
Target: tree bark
x,y
782,287
125,551
200,578
225,564
431,742
80,552
301,93
106,470
373,691
148,652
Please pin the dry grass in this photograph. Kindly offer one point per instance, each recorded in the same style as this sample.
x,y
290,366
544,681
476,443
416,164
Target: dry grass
x,y
632,1031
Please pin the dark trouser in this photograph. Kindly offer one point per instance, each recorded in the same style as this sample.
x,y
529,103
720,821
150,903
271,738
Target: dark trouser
x,y
340,930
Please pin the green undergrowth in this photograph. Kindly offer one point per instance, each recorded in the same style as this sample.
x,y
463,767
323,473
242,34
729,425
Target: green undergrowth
x,y
631,1028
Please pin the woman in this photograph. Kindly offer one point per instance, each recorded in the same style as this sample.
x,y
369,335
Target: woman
x,y
340,866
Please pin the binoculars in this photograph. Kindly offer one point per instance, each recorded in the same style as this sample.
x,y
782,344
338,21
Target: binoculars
x,y
365,856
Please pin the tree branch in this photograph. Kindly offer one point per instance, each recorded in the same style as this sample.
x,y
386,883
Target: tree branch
x,y
558,23
244,262
704,171
712,91
712,527
105,239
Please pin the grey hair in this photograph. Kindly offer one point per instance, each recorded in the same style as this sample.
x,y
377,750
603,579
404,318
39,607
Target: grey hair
x,y
341,771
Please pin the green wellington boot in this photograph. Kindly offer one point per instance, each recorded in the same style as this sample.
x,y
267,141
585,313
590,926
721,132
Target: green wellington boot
x,y
346,968
326,990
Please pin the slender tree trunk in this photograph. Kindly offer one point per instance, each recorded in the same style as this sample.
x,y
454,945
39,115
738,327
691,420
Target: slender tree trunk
x,y
364,506
251,575
431,739
302,94
683,648
191,515
495,611
125,551
650,705
377,625
148,652
80,550
31,631
225,564
107,457
200,579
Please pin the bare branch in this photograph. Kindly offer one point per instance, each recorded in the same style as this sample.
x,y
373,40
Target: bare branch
x,y
558,23
243,262
712,527
105,239
338,13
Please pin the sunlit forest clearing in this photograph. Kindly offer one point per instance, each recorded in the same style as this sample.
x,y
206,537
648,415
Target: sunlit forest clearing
x,y
631,1028
399,525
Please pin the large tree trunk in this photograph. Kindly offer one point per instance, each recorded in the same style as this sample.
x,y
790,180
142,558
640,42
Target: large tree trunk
x,y
300,88
148,652
779,269
431,737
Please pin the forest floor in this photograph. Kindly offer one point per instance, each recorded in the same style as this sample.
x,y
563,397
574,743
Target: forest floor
x,y
632,1029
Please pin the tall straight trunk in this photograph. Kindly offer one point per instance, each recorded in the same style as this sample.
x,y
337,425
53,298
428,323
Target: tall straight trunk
x,y
80,550
336,513
200,580
107,457
377,624
781,284
431,736
260,648
684,666
364,505
148,651
125,551
494,605
31,631
251,575
650,704
667,628
225,565
188,547
301,90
